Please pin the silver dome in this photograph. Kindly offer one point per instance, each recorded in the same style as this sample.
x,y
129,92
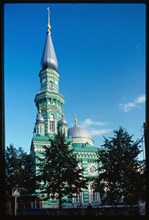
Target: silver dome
x,y
77,132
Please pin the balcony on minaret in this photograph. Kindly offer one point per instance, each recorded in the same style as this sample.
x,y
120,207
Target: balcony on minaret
x,y
48,91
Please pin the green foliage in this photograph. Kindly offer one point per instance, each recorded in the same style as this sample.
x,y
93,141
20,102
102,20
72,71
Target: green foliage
x,y
18,171
121,174
59,171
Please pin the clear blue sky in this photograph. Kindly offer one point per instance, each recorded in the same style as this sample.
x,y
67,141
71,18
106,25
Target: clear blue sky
x,y
101,54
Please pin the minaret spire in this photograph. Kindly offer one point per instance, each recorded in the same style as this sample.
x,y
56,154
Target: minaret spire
x,y
49,58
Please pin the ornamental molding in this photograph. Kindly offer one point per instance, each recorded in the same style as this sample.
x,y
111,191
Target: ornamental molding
x,y
91,155
83,140
41,142
49,71
54,75
86,155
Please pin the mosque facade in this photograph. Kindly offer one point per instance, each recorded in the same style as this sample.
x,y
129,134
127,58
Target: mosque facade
x,y
49,103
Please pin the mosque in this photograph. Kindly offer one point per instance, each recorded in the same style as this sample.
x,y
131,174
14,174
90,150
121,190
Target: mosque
x,y
50,114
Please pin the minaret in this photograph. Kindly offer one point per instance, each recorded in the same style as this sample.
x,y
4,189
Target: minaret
x,y
50,119
48,98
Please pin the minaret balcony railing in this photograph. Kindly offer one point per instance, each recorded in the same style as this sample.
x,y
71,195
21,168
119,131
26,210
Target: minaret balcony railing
x,y
40,91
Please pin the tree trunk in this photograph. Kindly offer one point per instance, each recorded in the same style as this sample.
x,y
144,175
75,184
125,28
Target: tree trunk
x,y
60,204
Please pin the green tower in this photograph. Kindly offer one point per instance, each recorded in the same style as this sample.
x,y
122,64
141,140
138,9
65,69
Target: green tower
x,y
50,117
48,98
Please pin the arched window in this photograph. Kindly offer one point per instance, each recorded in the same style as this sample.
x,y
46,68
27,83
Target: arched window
x,y
52,123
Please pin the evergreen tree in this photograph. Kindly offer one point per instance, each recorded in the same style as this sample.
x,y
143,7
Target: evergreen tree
x,y
19,172
121,174
59,171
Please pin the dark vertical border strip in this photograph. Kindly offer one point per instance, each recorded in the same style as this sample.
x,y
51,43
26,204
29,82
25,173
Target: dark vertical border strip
x,y
2,115
146,130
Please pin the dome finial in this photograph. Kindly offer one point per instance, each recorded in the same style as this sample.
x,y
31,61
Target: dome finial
x,y
76,119
48,26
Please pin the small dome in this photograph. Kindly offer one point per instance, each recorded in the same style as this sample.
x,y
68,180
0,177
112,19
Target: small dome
x,y
78,132
62,121
39,118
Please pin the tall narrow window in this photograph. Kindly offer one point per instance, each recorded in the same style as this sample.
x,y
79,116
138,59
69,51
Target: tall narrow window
x,y
50,86
76,198
94,196
52,123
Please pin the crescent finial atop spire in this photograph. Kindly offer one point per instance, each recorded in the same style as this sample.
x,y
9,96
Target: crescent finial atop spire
x,y
48,26
76,119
